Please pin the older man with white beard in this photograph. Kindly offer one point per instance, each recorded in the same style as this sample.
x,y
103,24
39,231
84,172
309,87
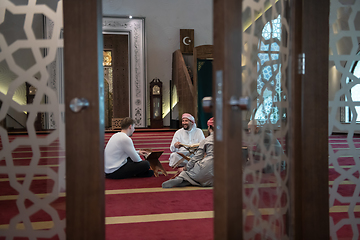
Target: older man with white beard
x,y
199,171
187,135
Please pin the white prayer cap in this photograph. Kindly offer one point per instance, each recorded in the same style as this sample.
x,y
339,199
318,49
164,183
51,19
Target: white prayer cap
x,y
253,122
188,116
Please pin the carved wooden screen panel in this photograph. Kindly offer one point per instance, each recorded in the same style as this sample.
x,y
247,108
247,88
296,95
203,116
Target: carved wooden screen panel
x,y
344,162
265,79
32,166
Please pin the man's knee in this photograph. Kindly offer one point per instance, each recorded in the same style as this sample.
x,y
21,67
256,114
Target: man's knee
x,y
145,164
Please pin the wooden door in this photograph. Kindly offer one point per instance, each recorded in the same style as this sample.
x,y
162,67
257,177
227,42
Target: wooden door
x,y
117,91
32,164
309,131
83,51
228,175
298,181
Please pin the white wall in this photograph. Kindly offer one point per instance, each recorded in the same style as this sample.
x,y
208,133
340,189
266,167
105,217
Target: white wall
x,y
163,21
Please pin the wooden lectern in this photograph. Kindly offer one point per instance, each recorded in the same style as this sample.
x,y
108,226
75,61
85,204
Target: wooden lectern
x,y
155,164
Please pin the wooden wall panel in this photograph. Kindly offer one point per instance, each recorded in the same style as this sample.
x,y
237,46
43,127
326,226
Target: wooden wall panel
x,y
119,46
187,41
204,52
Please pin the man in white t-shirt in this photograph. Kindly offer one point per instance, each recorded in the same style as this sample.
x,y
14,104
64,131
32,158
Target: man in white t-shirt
x,y
188,134
121,158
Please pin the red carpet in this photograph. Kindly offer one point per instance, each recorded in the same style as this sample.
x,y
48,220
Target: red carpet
x,y
153,203
158,203
139,208
189,229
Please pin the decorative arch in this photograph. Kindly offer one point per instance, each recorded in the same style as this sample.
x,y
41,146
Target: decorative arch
x,y
135,29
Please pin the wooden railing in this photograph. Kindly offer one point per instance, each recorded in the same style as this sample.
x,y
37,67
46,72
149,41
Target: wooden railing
x,y
184,85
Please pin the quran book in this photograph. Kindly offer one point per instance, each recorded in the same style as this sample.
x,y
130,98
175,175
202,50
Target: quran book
x,y
154,155
190,146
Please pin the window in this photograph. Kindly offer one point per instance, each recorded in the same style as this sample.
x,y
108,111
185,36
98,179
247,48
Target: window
x,y
269,69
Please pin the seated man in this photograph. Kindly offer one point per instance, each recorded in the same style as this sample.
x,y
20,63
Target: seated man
x,y
188,134
269,141
121,159
199,171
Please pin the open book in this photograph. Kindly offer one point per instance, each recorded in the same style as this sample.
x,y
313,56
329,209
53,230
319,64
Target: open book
x,y
152,154
196,145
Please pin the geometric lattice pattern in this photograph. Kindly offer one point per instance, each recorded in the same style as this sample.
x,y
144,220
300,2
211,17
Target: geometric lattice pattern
x,y
24,159
116,123
264,72
344,46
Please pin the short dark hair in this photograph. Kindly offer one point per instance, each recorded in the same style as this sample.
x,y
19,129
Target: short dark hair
x,y
126,122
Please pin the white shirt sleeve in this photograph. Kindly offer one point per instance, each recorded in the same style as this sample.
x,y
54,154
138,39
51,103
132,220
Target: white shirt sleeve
x,y
200,135
175,139
129,149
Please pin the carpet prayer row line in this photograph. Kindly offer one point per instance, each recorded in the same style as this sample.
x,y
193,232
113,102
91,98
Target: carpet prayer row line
x,y
155,217
11,194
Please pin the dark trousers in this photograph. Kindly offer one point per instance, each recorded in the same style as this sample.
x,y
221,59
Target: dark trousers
x,y
132,169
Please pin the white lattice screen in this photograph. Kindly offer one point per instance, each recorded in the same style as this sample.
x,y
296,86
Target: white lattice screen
x,y
344,162
28,165
265,70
